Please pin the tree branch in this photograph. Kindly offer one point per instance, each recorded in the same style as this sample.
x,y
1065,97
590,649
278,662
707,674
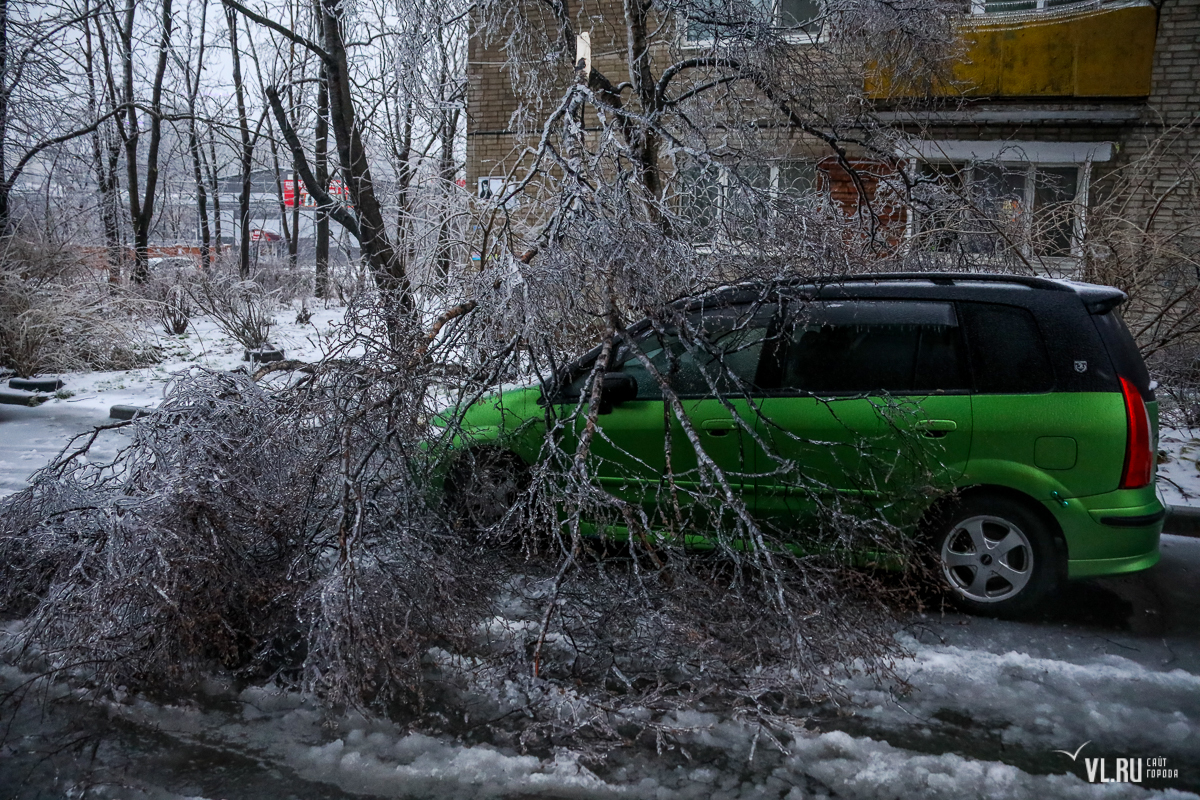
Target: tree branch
x,y
280,29
66,137
336,210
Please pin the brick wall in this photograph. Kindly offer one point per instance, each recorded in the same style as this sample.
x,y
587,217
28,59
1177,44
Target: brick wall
x,y
494,147
1174,102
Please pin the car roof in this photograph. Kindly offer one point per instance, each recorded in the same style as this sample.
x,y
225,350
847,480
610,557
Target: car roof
x,y
924,285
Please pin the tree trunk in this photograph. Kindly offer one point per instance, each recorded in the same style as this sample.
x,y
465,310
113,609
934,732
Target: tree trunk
x,y
247,152
194,148
321,167
105,169
447,170
386,268
215,182
5,188
141,210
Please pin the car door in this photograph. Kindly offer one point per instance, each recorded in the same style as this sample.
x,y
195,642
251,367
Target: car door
x,y
868,404
643,451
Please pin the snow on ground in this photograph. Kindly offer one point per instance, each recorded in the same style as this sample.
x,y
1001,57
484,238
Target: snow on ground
x,y
30,437
1111,664
262,743
1179,475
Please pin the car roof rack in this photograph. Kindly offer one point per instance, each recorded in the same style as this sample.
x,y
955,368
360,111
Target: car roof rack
x,y
1096,298
946,278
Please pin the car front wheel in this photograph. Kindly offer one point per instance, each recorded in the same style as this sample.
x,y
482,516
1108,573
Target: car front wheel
x,y
482,488
995,557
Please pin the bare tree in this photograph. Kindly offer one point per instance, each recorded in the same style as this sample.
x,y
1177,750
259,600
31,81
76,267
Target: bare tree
x,y
142,200
195,150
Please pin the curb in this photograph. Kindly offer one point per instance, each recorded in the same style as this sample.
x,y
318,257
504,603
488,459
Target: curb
x,y
263,355
36,384
1182,521
127,412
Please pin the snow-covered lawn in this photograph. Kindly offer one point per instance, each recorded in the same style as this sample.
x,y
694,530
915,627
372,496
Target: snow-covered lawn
x,y
30,437
1113,663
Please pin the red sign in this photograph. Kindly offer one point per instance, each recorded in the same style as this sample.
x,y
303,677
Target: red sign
x,y
293,186
259,235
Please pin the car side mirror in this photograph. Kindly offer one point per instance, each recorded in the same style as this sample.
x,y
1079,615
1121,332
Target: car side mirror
x,y
617,388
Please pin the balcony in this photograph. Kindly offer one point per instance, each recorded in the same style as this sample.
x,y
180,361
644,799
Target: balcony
x,y
1079,50
1050,49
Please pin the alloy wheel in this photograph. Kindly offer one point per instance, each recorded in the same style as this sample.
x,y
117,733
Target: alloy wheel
x,y
987,559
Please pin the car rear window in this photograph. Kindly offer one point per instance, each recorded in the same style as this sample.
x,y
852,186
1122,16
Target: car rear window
x,y
1123,351
1008,355
861,347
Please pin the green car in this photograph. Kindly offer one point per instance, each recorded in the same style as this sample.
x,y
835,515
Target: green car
x,y
1025,396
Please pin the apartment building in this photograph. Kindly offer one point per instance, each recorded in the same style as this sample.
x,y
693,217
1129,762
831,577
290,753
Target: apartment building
x,y
1047,97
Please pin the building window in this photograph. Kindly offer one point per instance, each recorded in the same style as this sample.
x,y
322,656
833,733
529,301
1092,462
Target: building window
x,y
716,201
800,15
707,21
994,207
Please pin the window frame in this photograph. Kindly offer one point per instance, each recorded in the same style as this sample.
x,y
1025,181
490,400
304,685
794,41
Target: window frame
x,y
792,35
744,310
724,185
644,329
965,168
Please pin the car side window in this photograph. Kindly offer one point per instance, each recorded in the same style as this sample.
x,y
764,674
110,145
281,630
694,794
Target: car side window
x,y
1008,354
856,347
721,352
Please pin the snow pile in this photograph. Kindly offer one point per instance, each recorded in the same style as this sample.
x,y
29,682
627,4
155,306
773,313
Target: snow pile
x,y
1045,703
271,743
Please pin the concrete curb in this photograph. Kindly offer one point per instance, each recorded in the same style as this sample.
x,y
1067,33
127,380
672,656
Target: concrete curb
x,y
43,384
1183,521
127,412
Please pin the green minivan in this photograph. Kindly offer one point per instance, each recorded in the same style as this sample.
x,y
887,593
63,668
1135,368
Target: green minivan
x,y
1025,396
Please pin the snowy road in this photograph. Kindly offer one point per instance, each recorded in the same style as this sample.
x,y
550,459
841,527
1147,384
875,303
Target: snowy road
x,y
1112,665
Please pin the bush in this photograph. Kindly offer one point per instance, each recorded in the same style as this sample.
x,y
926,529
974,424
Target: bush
x,y
58,316
169,301
243,309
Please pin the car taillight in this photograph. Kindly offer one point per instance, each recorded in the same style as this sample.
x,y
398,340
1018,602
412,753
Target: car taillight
x,y
1139,457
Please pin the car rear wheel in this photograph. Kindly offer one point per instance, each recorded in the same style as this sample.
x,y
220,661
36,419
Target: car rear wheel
x,y
995,556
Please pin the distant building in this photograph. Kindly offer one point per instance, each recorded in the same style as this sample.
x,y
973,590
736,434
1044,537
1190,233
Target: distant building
x,y
266,222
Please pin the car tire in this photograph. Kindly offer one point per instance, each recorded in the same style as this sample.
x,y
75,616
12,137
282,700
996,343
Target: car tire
x,y
482,487
995,556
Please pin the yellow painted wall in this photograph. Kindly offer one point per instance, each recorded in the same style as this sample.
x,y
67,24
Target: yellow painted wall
x,y
1105,54
1089,54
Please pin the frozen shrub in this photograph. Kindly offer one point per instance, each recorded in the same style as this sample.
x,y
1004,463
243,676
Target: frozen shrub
x,y
243,309
58,316
223,537
169,301
286,283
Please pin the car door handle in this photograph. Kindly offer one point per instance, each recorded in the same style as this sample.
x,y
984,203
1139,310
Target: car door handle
x,y
718,427
935,428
